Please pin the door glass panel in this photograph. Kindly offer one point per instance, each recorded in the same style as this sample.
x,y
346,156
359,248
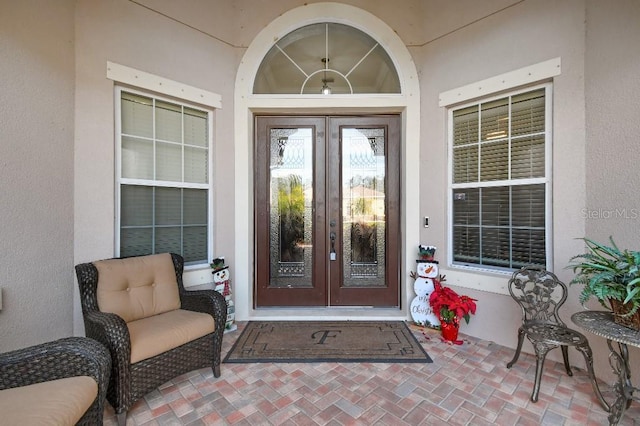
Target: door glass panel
x,y
291,199
363,207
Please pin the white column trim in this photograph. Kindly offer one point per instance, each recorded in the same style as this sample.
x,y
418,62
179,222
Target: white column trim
x,y
245,104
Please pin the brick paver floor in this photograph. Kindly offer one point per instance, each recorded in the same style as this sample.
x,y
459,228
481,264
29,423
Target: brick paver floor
x,y
466,384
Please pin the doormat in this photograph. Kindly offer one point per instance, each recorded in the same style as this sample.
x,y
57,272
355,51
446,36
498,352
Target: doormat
x,y
326,341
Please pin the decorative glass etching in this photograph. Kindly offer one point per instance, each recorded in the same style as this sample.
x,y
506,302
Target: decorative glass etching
x,y
363,207
291,194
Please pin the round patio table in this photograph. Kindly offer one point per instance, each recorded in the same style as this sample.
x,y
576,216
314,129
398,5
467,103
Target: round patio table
x,y
601,324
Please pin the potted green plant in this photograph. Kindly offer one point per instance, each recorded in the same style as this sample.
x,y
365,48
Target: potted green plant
x,y
612,276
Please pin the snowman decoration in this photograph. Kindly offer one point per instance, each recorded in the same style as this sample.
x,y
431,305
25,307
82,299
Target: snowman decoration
x,y
421,311
221,283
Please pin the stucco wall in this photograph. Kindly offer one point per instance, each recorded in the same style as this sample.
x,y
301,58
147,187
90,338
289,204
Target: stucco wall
x,y
522,35
132,35
36,171
612,92
527,33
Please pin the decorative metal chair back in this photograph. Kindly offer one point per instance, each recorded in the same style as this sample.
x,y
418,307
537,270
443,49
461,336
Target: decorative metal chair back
x,y
539,293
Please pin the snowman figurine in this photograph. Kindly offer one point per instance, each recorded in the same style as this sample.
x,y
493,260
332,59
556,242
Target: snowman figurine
x,y
423,286
221,283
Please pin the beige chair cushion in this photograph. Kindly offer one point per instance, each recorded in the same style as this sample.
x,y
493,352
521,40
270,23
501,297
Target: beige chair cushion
x,y
137,287
57,402
157,334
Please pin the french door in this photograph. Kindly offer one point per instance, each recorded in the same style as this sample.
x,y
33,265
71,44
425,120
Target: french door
x,y
327,211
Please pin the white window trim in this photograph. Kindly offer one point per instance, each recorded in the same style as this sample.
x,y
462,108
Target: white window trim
x,y
197,273
194,274
164,86
503,82
467,275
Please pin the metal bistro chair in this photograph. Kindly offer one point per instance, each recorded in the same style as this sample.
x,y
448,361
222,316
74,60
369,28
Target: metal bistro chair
x,y
540,294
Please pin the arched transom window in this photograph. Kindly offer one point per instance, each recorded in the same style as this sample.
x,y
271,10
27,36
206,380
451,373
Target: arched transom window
x,y
326,58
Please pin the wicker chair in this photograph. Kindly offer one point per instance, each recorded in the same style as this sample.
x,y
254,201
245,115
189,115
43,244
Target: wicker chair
x,y
66,358
134,374
540,294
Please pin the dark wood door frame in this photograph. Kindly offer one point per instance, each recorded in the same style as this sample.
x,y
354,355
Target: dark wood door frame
x,y
388,296
324,270
264,294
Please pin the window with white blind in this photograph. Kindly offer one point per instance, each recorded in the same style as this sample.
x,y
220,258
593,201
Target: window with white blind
x,y
499,180
163,177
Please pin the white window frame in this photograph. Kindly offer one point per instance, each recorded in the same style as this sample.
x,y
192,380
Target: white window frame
x,y
546,180
124,181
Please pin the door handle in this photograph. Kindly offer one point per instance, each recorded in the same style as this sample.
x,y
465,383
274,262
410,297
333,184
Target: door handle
x,y
332,253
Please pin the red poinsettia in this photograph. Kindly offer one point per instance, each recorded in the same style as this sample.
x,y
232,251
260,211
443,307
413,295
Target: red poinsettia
x,y
451,306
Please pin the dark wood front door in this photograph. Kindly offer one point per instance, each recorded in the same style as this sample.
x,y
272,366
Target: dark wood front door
x,y
327,209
